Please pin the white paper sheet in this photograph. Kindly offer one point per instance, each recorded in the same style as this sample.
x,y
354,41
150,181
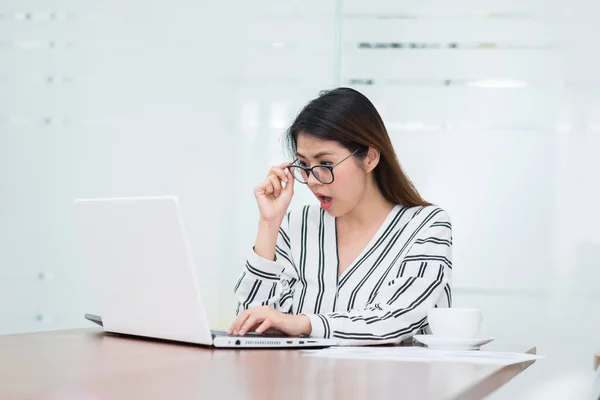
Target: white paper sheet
x,y
423,354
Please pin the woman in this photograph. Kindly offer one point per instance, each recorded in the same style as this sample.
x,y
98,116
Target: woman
x,y
365,266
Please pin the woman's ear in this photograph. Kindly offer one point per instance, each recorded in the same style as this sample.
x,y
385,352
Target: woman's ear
x,y
371,160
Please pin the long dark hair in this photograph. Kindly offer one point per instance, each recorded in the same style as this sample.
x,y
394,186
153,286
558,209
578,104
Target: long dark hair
x,y
346,116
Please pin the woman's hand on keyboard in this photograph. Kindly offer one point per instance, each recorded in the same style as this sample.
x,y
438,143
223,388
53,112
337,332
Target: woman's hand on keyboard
x,y
265,319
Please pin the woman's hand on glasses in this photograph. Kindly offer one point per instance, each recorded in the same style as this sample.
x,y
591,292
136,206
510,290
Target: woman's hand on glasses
x,y
274,194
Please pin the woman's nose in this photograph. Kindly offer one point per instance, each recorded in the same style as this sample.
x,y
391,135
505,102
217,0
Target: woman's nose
x,y
312,181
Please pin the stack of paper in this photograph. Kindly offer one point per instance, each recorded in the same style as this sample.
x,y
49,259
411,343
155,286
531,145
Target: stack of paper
x,y
423,354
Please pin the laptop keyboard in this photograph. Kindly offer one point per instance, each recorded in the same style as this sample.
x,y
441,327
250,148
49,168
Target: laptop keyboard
x,y
220,333
223,332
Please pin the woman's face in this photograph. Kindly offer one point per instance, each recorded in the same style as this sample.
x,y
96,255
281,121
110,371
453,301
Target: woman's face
x,y
350,178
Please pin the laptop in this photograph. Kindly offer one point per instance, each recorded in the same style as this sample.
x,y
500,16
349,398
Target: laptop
x,y
144,277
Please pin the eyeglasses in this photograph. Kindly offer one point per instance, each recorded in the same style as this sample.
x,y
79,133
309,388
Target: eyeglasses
x,y
323,173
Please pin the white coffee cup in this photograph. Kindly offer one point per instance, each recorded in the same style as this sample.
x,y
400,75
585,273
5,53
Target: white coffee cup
x,y
455,322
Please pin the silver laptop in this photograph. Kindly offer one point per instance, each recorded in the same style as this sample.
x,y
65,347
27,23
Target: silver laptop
x,y
144,277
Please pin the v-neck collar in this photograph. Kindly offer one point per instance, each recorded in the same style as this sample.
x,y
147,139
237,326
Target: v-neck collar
x,y
352,266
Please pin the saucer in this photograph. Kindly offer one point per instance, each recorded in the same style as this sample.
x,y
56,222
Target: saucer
x,y
443,343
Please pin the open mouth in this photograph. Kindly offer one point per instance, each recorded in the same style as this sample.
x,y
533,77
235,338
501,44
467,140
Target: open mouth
x,y
325,201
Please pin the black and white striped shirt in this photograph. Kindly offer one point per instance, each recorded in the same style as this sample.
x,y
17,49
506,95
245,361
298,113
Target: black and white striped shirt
x,y
382,297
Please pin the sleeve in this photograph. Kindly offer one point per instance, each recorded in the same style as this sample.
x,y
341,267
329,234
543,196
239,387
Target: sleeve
x,y
266,282
399,308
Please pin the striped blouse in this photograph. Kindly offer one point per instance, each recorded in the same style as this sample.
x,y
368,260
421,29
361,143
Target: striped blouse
x,y
384,294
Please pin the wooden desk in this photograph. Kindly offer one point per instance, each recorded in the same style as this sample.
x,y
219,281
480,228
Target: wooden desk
x,y
89,364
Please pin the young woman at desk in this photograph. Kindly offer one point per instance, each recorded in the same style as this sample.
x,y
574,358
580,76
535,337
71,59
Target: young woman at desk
x,y
365,266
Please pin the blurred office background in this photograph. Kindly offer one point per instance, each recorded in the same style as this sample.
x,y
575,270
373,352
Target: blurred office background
x,y
493,106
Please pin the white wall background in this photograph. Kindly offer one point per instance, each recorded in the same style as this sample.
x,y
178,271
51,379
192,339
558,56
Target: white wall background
x,y
494,108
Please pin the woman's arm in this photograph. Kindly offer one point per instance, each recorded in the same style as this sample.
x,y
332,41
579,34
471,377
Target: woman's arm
x,y
269,276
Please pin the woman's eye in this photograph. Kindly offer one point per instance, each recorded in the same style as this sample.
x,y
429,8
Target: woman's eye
x,y
325,163
302,164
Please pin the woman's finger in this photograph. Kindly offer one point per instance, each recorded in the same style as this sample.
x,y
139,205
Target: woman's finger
x,y
235,326
239,321
265,187
250,322
290,182
268,186
276,185
264,326
278,172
